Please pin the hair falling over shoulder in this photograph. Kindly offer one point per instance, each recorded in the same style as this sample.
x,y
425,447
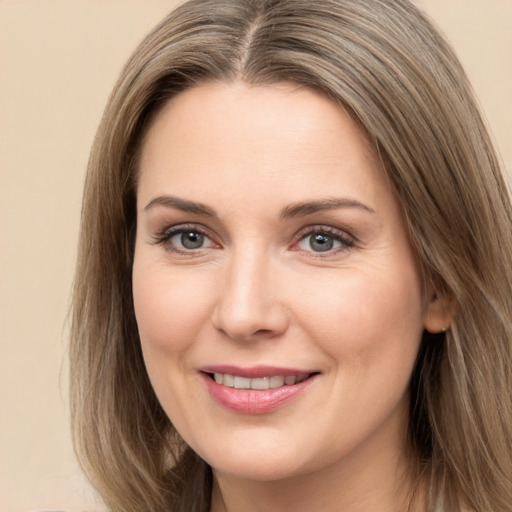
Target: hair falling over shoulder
x,y
389,68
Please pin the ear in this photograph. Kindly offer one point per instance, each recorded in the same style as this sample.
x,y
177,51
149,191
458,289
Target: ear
x,y
439,311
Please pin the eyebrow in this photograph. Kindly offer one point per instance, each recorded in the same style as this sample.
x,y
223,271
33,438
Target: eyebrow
x,y
181,204
301,209
310,207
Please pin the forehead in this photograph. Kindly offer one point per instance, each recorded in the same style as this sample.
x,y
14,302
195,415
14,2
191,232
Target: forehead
x,y
246,110
274,140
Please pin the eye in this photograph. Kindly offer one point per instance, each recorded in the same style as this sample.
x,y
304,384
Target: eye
x,y
188,239
185,239
324,240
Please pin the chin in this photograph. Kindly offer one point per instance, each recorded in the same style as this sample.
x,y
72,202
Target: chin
x,y
264,460
262,470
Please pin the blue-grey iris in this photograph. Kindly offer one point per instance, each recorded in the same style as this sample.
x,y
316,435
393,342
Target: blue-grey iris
x,y
321,243
192,239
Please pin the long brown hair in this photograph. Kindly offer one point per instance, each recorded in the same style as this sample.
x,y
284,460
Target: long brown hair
x,y
389,68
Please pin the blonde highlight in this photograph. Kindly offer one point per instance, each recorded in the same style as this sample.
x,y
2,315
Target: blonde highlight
x,y
388,67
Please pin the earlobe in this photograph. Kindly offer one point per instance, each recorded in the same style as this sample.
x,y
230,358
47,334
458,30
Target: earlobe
x,y
439,312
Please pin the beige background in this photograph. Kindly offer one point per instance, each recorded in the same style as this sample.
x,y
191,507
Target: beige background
x,y
58,62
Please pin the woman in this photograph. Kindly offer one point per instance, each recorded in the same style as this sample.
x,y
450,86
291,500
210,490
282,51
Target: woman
x,y
293,287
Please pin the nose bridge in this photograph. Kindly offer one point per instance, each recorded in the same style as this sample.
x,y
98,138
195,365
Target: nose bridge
x,y
249,304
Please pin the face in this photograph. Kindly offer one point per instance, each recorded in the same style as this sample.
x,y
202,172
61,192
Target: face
x,y
278,300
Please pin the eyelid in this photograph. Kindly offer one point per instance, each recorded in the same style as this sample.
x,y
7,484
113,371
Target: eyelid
x,y
164,236
340,235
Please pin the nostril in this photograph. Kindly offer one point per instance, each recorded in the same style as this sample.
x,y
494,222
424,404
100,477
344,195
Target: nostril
x,y
262,332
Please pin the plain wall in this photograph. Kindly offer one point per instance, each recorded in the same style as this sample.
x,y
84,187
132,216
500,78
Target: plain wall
x,y
58,61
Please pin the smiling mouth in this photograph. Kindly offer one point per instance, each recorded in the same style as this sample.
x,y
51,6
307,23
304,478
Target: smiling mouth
x,y
256,390
259,383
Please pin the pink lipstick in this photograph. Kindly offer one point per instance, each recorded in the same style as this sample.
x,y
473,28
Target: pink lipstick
x,y
256,390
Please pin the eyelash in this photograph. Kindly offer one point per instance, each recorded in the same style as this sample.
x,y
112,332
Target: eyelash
x,y
164,237
346,242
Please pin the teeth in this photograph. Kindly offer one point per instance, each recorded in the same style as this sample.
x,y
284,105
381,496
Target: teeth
x,y
276,381
262,383
242,383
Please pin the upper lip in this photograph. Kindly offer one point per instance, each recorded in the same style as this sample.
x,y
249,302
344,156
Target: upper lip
x,y
255,372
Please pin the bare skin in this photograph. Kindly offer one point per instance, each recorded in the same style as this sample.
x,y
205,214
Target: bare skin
x,y
267,236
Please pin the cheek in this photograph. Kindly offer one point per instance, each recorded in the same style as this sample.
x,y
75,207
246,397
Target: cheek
x,y
365,318
170,308
370,326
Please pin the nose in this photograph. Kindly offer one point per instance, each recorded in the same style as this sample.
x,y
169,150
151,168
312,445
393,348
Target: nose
x,y
249,305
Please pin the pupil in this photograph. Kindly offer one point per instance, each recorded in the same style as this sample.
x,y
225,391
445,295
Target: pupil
x,y
321,243
192,240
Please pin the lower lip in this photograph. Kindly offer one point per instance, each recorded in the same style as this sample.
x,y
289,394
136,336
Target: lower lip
x,y
254,401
